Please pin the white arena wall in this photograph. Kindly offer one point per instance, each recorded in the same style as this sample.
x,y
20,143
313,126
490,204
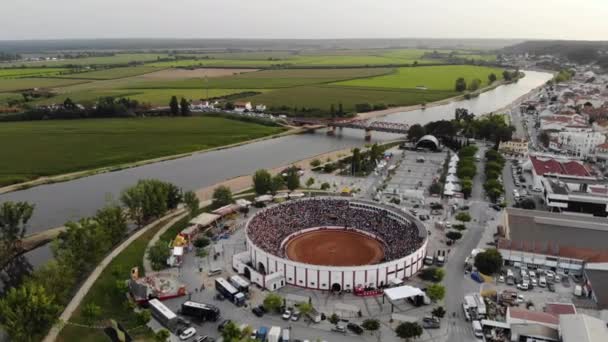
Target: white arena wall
x,y
347,277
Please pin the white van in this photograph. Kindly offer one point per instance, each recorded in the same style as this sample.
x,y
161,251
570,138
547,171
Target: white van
x,y
214,271
285,335
477,331
542,281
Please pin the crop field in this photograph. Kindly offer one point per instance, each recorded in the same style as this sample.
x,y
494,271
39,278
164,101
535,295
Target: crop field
x,y
269,79
323,97
56,147
12,84
29,72
113,73
177,74
121,58
433,78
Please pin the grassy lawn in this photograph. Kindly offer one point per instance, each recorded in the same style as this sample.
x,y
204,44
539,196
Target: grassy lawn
x,y
324,96
431,77
15,84
104,294
44,148
25,72
113,73
269,79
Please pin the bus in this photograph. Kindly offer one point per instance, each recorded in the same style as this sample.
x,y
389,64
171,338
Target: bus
x,y
239,283
205,312
163,314
229,292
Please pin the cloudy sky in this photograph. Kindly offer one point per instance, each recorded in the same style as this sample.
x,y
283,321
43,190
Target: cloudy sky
x,y
549,19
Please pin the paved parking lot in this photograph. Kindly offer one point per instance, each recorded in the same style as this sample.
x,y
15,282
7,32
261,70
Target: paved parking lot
x,y
414,175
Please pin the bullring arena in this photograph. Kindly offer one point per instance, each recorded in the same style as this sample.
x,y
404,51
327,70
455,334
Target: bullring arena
x,y
335,243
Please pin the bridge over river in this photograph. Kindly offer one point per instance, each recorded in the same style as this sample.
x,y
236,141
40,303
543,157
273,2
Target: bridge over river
x,y
368,125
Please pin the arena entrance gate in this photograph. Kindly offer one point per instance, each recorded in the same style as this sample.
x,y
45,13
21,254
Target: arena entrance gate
x,y
261,268
335,287
247,273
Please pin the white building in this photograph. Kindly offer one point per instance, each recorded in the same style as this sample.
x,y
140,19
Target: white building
x,y
578,144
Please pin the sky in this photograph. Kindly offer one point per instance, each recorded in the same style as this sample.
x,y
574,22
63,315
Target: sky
x,y
300,19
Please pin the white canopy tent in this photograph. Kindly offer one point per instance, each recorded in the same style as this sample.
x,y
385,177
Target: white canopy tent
x,y
452,179
402,292
204,219
243,203
452,171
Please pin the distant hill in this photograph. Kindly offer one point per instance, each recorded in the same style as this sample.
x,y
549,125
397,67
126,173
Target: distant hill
x,y
37,46
575,50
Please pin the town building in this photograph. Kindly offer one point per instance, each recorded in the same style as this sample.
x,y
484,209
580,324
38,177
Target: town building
x,y
578,144
242,107
547,167
516,147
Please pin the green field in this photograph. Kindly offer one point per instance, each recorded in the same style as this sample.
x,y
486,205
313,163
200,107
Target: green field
x,y
108,74
322,97
121,58
155,97
16,84
43,148
29,72
433,78
269,79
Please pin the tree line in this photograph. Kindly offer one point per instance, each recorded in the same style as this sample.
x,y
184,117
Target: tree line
x,y
28,310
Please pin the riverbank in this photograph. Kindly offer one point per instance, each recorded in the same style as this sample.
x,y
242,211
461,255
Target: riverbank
x,y
86,173
404,109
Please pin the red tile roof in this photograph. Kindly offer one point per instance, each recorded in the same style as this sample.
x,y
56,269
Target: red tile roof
x,y
534,316
552,166
557,309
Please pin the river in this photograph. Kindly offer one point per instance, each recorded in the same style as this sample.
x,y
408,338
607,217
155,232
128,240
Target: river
x,y
60,202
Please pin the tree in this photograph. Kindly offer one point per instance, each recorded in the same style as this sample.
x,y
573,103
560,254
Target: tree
x,y
91,313
492,78
184,106
143,317
438,312
415,132
174,105
493,189
162,335
273,302
174,195
463,217
475,84
158,255
309,182
507,75
68,104
262,182
305,308
544,138
192,202
375,153
56,278
371,324
113,222
435,188
434,274
81,245
340,110
526,203
315,163
461,85
28,311
356,161
146,200
13,225
276,184
466,187
230,332
489,262
435,292
409,330
333,319
452,235
293,179
222,195
201,242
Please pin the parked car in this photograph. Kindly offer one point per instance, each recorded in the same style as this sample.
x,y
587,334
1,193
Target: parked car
x,y
354,328
431,323
286,315
295,316
501,279
339,328
221,326
523,286
200,338
186,334
256,311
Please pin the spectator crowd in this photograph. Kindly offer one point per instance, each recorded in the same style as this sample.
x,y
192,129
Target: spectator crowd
x,y
271,226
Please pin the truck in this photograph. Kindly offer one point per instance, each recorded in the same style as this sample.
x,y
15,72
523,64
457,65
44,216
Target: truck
x,y
202,311
274,334
229,292
239,283
314,315
163,314
481,305
477,330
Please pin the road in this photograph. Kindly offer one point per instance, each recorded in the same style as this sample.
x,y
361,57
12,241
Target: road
x,y
456,282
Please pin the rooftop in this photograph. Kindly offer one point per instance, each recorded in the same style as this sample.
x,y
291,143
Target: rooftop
x,y
552,166
554,249
582,328
531,316
597,275
557,309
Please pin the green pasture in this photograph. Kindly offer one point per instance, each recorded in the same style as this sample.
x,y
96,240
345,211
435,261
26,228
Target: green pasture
x,y
108,74
16,84
44,148
322,97
433,78
269,79
29,72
